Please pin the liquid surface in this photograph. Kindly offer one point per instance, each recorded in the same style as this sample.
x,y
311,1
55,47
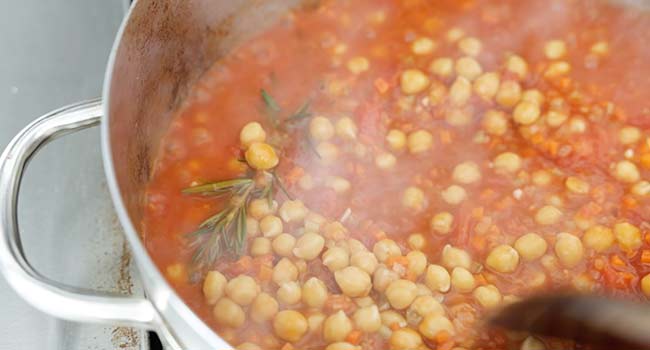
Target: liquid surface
x,y
506,143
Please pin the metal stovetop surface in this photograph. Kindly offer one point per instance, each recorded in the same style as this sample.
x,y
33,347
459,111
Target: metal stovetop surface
x,y
54,52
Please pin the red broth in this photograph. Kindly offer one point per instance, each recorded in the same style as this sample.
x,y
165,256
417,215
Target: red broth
x,y
494,149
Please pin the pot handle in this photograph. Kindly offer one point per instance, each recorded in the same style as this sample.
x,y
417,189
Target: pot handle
x,y
46,295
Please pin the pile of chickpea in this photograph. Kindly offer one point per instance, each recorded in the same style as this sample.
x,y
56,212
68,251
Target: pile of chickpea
x,y
403,301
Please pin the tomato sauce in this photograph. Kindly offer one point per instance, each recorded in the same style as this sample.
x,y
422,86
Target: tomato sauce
x,y
586,155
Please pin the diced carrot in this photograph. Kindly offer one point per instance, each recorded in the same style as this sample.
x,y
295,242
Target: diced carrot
x,y
442,337
381,85
397,259
448,345
266,273
479,242
645,256
287,346
478,212
394,326
617,261
645,160
629,202
445,137
411,276
354,337
294,175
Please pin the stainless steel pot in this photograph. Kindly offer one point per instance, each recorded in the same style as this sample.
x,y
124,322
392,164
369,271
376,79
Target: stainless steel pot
x,y
163,46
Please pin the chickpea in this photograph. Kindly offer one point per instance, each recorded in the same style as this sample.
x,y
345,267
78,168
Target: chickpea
x,y
458,116
367,319
470,46
226,312
261,156
252,227
251,133
443,67
641,188
556,118
557,69
423,46
338,184
626,171
503,259
426,305
309,246
454,34
260,246
629,135
577,125
242,289
342,346
517,65
460,91
334,231
401,293
293,211
396,139
271,226
455,257
416,241
531,246
383,277
314,293
466,173
283,244
385,249
598,238
313,222
486,85
289,293
214,286
488,296
600,48
358,64
284,271
419,141
321,128
555,49
385,160
290,325
413,198
437,278
346,128
248,346
264,307
336,258
414,81
526,113
260,208
532,343
542,177
568,249
353,281
507,162
434,324
468,68
462,280
509,93
577,185
337,327
417,262
548,215
391,318
628,236
405,339
315,321
364,260
454,194
328,152
495,122
645,285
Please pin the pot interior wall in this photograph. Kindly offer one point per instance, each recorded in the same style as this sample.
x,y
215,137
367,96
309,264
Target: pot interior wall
x,y
165,47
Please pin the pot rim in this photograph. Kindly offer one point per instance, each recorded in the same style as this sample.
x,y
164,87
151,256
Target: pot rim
x,y
165,297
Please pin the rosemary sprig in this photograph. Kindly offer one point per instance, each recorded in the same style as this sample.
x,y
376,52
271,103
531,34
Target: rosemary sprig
x,y
224,233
